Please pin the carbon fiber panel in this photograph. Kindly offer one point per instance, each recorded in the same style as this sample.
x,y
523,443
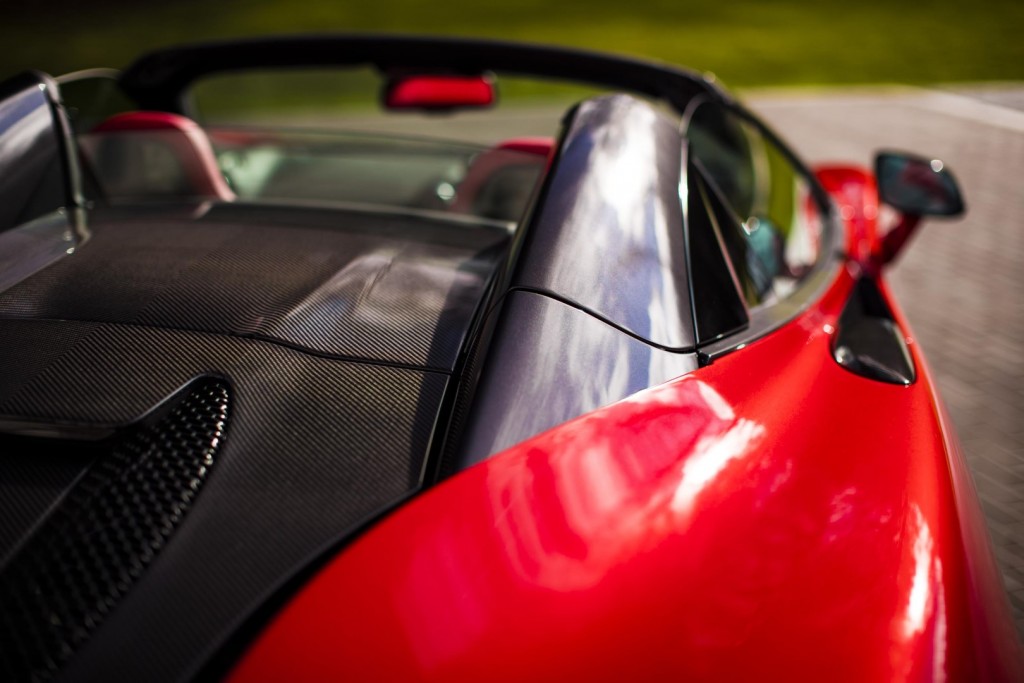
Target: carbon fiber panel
x,y
87,554
46,339
316,446
30,485
609,236
399,290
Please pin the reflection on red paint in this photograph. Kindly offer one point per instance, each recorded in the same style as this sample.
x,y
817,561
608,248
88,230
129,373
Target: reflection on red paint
x,y
610,501
919,603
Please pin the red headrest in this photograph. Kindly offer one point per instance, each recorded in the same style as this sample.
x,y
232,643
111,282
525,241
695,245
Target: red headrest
x,y
186,141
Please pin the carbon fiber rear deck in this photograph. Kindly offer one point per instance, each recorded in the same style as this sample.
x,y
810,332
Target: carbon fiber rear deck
x,y
357,285
103,534
336,346
316,446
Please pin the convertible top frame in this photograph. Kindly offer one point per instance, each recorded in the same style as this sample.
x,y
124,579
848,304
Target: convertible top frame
x,y
160,79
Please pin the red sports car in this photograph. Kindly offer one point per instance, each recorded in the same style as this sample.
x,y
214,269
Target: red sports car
x,y
376,358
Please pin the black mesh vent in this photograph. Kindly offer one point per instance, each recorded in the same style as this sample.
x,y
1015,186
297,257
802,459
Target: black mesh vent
x,y
71,573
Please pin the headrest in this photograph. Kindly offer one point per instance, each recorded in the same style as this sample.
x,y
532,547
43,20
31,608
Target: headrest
x,y
145,154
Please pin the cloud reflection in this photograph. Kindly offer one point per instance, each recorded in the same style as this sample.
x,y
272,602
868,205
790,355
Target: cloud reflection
x,y
920,591
603,489
710,458
920,626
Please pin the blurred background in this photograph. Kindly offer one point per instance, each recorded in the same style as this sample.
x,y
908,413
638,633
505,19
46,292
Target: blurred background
x,y
938,77
744,42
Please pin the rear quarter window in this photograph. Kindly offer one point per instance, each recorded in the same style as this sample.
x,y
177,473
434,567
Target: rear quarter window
x,y
771,219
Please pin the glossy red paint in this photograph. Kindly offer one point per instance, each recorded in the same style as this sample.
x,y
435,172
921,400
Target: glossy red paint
x,y
890,246
770,516
144,120
991,628
440,92
856,194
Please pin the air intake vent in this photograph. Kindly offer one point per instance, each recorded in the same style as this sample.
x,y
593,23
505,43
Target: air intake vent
x,y
69,575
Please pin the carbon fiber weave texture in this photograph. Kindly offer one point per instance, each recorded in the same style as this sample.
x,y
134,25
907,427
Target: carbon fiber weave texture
x,y
317,445
353,292
70,574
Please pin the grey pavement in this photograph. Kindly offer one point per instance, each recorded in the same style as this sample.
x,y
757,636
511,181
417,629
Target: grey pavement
x,y
960,283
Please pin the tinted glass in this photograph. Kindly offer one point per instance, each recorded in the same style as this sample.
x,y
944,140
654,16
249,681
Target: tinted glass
x,y
32,174
350,99
915,185
770,218
720,311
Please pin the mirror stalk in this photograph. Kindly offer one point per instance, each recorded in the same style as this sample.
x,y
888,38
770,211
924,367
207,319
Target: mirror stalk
x,y
894,240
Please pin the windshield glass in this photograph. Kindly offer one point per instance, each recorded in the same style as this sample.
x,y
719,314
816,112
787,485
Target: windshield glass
x,y
338,135
302,167
388,171
354,99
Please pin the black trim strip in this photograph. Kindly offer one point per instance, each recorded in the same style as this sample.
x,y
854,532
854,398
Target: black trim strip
x,y
252,337
606,321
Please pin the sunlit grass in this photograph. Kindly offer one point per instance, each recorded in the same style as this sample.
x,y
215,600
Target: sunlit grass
x,y
744,42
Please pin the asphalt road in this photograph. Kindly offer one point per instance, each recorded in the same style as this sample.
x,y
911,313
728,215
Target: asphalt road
x,y
960,283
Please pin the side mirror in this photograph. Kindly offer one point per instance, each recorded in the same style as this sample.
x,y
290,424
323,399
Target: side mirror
x,y
917,186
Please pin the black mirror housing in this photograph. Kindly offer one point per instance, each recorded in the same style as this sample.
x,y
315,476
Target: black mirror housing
x,y
917,186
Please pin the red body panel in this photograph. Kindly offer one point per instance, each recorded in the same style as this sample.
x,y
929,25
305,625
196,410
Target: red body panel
x,y
770,516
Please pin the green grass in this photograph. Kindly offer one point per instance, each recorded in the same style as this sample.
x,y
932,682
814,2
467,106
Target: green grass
x,y
744,42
